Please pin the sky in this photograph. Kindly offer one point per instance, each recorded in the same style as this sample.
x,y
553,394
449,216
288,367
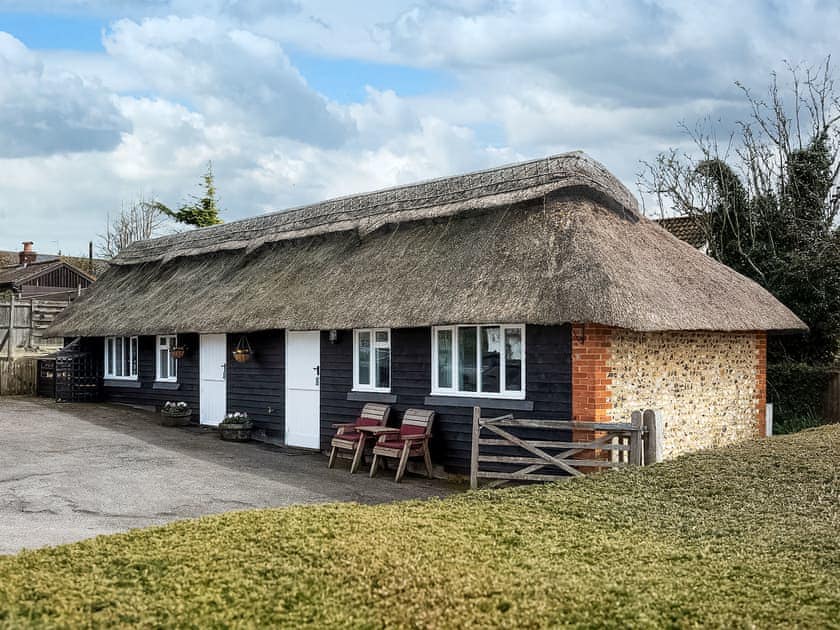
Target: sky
x,y
294,101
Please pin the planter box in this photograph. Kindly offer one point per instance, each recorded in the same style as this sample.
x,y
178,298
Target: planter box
x,y
239,432
178,418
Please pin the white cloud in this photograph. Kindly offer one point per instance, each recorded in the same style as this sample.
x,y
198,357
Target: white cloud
x,y
42,114
230,75
197,80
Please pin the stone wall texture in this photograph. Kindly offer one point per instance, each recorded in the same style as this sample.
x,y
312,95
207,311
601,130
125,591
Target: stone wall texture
x,y
710,387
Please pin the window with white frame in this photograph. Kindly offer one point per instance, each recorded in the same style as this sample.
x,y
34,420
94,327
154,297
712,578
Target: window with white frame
x,y
167,366
481,360
121,357
372,360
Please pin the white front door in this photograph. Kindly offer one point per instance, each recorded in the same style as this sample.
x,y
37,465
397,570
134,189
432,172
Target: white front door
x,y
303,389
212,367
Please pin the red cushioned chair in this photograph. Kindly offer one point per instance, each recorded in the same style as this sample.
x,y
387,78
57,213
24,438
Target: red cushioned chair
x,y
410,440
349,438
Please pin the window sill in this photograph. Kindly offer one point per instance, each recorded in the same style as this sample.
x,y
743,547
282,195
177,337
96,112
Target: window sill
x,y
122,382
166,385
380,397
511,404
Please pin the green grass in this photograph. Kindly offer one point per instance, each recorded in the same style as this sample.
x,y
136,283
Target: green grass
x,y
747,536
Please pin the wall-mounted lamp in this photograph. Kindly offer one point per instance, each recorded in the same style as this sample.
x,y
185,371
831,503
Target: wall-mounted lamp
x,y
333,336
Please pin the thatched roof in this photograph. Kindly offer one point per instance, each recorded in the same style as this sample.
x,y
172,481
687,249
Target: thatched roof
x,y
543,242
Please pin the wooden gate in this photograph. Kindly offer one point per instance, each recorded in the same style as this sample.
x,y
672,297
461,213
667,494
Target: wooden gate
x,y
624,442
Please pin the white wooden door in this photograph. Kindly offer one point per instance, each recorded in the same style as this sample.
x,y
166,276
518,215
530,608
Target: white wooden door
x,y
303,389
212,368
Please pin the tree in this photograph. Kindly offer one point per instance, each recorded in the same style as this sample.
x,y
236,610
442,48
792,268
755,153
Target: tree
x,y
765,201
203,211
137,221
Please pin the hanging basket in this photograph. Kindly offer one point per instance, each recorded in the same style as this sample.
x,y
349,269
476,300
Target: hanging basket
x,y
177,352
242,352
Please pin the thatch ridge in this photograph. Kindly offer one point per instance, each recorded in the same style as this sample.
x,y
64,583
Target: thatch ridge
x,y
367,212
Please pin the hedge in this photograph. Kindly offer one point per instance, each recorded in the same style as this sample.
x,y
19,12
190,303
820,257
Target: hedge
x,y
797,391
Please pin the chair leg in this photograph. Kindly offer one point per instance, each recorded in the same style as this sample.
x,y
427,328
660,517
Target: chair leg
x,y
332,457
357,456
374,465
428,459
403,462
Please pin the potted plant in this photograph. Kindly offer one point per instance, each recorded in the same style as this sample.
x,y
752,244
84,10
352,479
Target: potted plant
x,y
242,352
236,427
175,414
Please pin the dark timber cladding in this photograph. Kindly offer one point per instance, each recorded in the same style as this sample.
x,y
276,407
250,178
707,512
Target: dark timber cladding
x,y
145,391
548,387
258,386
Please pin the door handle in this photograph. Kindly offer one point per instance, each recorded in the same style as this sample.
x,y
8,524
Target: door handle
x,y
317,369
224,371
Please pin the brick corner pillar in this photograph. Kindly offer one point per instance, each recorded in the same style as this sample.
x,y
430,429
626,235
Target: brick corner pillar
x,y
591,378
761,382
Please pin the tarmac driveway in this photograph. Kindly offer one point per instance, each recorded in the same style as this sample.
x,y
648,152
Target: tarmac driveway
x,y
71,471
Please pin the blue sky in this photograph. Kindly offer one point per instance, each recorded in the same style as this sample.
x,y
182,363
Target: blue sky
x,y
294,101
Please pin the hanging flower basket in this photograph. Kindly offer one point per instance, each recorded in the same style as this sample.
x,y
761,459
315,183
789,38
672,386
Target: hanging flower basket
x,y
177,352
175,414
242,352
236,427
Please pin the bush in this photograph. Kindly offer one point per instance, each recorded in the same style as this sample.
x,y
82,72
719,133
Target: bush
x,y
797,391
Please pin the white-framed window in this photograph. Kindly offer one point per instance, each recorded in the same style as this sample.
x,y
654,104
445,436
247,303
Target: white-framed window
x,y
121,357
372,360
167,366
486,361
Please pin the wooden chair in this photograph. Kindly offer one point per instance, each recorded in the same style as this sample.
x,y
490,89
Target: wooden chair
x,y
349,438
410,440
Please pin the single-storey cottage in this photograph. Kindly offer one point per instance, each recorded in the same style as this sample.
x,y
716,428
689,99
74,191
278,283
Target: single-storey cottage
x,y
536,289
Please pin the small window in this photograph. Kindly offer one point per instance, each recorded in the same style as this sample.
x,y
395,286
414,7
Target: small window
x,y
167,366
486,361
121,357
372,360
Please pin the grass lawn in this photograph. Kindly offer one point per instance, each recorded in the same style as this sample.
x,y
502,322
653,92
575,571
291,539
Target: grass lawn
x,y
740,537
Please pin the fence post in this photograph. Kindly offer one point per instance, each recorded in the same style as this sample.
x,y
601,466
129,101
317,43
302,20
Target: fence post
x,y
636,439
476,431
653,439
11,336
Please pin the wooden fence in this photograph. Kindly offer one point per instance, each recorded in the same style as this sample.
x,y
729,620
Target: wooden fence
x,y
831,411
22,325
18,377
628,444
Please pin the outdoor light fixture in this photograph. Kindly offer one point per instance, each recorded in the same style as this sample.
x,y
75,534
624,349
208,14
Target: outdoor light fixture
x,y
333,336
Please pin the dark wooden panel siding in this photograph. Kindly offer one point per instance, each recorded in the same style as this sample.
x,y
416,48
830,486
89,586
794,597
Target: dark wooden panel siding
x,y
63,277
146,394
548,386
257,386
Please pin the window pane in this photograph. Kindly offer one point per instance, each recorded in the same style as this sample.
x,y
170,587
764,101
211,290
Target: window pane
x,y
383,367
163,362
382,337
133,370
444,357
118,356
110,356
467,374
513,359
364,358
490,356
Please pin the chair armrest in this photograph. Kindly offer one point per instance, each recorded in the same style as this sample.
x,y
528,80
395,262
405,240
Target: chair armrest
x,y
343,425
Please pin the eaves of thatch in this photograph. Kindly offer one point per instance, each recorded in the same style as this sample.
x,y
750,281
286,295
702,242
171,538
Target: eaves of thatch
x,y
544,242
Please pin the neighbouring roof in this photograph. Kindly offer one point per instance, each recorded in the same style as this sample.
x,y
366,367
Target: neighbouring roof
x,y
17,275
542,242
686,229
